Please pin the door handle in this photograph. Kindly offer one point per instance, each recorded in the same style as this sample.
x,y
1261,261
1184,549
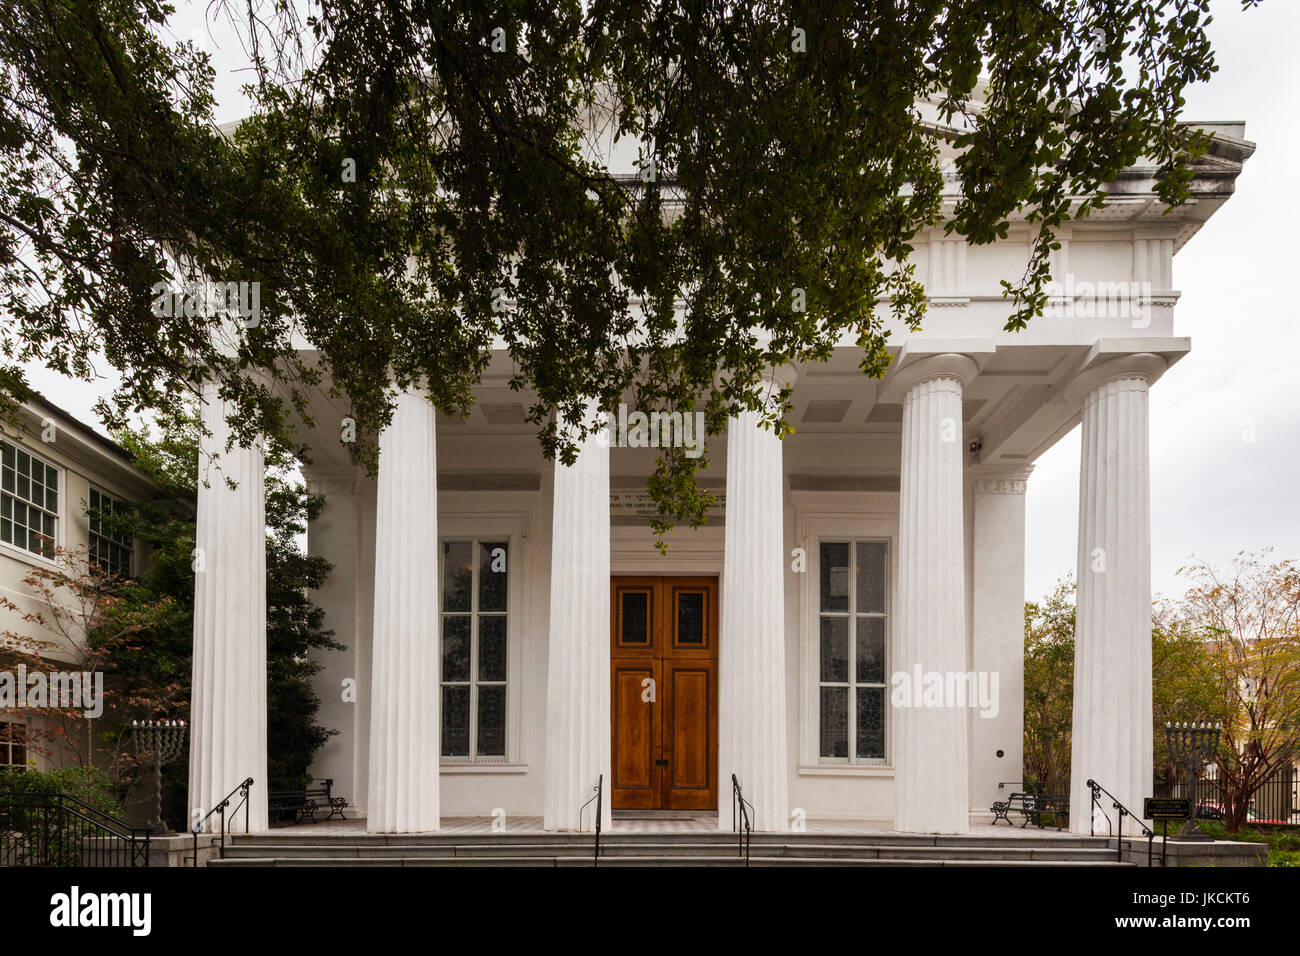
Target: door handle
x,y
661,763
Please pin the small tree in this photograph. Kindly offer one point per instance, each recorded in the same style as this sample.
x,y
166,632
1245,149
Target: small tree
x,y
1248,618
1049,686
86,626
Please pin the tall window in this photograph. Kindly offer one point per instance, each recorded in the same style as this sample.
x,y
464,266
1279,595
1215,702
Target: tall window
x,y
853,640
475,577
13,745
109,549
29,500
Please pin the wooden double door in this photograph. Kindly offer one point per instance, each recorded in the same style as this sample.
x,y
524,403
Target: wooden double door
x,y
664,693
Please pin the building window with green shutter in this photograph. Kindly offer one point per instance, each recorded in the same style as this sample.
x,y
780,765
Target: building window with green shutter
x,y
853,649
29,501
109,549
475,623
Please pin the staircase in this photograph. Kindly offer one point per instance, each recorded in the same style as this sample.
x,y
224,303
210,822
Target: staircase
x,y
663,849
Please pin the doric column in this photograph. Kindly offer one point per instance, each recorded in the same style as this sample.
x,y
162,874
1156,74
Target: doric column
x,y
577,677
931,787
751,654
997,630
228,708
405,695
1112,732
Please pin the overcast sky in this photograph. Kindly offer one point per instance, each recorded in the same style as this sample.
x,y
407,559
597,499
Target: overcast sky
x,y
1213,491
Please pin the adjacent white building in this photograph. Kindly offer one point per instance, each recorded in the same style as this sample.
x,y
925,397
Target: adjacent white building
x,y
57,474
513,635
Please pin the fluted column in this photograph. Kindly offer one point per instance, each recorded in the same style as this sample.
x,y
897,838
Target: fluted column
x,y
405,695
997,727
751,654
228,704
577,677
931,742
1112,724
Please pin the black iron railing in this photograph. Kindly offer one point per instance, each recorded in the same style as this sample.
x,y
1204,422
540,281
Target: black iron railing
x,y
58,829
738,802
598,796
221,809
1118,832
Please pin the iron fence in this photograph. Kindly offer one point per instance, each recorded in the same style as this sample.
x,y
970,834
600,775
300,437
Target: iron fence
x,y
1276,802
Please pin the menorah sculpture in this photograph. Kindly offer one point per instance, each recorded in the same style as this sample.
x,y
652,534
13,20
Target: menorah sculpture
x,y
1191,746
161,741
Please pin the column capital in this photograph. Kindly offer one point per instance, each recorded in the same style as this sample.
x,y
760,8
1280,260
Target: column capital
x,y
1146,366
1000,479
780,375
925,368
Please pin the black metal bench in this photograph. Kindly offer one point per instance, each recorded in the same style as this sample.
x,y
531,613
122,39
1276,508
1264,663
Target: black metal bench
x,y
306,801
1032,806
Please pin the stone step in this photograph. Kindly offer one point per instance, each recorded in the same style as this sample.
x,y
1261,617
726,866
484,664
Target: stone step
x,y
640,861
614,838
800,849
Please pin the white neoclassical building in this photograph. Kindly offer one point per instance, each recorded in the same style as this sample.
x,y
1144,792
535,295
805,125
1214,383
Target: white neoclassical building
x,y
845,636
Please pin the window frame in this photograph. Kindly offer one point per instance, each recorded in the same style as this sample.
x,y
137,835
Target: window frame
x,y
60,476
837,516
7,746
487,528
852,615
92,534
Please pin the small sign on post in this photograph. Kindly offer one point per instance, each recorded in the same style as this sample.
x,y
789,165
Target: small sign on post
x,y
1167,808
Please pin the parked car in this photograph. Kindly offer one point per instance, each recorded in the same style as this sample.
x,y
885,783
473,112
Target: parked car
x,y
1209,811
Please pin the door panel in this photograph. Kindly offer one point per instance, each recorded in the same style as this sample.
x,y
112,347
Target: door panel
x,y
665,735
636,736
691,730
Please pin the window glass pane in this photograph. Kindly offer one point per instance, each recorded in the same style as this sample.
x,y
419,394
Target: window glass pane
x,y
7,455
492,647
455,721
834,722
835,649
455,647
871,650
834,576
871,577
636,617
871,722
492,721
690,618
493,568
457,575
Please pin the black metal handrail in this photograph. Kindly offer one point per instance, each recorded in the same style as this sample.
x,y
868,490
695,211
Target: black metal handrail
x,y
600,789
1097,790
220,808
58,829
738,801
